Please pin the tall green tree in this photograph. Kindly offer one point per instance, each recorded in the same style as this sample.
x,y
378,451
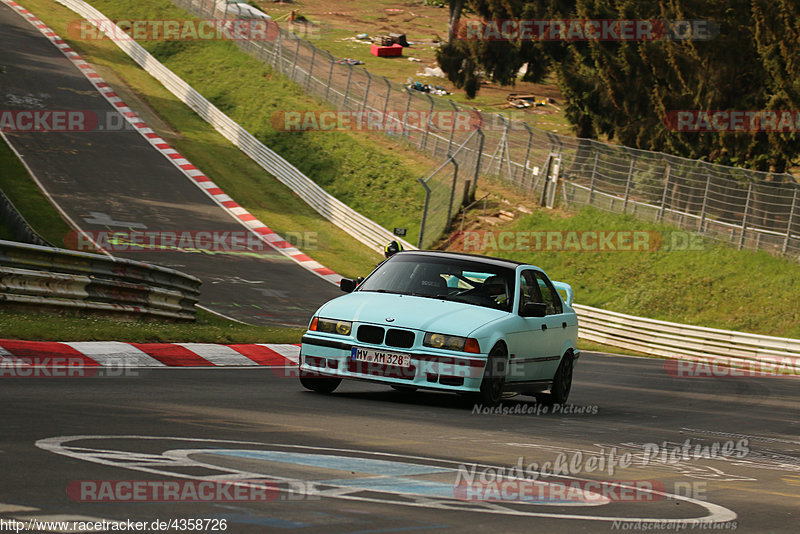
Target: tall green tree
x,y
628,90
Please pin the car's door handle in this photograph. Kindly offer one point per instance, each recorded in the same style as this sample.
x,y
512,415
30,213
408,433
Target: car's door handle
x,y
544,327
563,325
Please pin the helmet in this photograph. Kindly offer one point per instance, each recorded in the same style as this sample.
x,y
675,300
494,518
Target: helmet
x,y
392,248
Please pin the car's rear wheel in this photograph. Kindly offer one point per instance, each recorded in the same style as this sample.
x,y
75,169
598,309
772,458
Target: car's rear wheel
x,y
562,383
494,376
320,384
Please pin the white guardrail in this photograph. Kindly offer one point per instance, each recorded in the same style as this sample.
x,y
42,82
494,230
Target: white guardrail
x,y
33,277
695,343
361,228
659,338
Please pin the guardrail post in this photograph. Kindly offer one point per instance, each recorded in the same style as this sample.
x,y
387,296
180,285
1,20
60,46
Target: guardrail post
x,y
705,202
664,194
791,221
452,190
628,186
744,217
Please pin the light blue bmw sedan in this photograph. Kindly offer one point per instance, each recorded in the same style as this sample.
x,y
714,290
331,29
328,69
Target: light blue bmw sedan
x,y
447,321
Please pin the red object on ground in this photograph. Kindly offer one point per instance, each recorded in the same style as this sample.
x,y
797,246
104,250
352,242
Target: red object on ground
x,y
386,51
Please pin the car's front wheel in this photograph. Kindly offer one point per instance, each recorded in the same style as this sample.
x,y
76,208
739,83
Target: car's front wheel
x,y
562,383
320,384
494,376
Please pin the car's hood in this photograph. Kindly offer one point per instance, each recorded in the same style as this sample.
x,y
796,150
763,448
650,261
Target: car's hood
x,y
431,315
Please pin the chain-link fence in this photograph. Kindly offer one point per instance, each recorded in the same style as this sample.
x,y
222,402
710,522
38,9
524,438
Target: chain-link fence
x,y
750,209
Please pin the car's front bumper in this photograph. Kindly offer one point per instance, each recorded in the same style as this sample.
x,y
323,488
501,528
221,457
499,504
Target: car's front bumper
x,y
446,370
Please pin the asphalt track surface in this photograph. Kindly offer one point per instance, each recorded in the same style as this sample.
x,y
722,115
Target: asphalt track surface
x,y
370,459
121,177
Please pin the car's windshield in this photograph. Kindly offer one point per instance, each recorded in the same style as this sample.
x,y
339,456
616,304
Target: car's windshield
x,y
456,279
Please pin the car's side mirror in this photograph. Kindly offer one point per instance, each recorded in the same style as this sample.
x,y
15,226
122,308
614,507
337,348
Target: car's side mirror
x,y
347,285
534,309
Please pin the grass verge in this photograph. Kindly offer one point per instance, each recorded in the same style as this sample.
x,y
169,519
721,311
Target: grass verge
x,y
208,328
29,200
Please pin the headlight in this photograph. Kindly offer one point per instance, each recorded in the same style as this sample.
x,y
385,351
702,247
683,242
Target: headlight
x,y
331,326
443,341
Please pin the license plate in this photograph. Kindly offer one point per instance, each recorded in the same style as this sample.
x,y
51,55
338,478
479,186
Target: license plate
x,y
383,357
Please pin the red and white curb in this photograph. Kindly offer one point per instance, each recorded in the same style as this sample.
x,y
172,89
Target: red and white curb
x,y
239,213
117,354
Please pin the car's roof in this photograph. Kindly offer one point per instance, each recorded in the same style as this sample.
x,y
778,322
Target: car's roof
x,y
500,262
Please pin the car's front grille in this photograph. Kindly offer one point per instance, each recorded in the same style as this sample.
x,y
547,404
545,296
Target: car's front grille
x,y
403,339
370,334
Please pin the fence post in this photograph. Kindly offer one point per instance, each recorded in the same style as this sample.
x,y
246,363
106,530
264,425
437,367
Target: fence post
x,y
386,102
330,74
628,186
527,152
424,139
347,87
452,190
406,133
705,202
453,128
296,57
278,52
424,211
591,180
366,91
478,161
664,194
744,217
791,221
311,67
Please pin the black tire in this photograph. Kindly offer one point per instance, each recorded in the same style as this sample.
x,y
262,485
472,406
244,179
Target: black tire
x,y
562,383
319,384
494,377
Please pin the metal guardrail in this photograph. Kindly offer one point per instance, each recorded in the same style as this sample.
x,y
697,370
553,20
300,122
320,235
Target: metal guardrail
x,y
361,228
36,277
17,224
685,342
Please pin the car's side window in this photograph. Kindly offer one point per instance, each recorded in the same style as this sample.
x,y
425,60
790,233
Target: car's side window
x,y
549,294
529,289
